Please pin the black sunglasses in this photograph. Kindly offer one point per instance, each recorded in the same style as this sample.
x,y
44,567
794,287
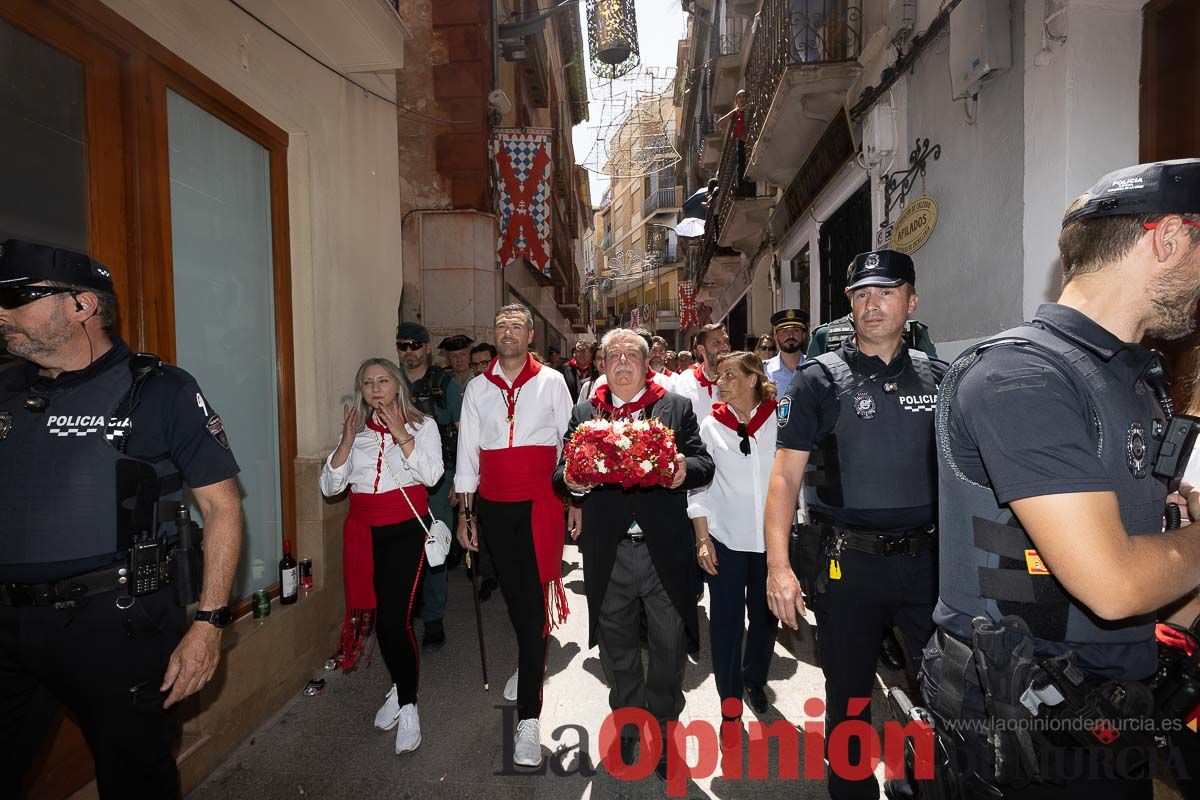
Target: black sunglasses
x,y
403,346
17,296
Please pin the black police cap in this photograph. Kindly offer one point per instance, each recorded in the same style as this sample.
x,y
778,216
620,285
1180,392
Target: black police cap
x,y
412,332
789,318
23,263
1164,187
456,342
881,268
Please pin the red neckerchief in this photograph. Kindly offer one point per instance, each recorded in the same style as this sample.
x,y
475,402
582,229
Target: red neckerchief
x,y
702,379
583,372
510,392
724,415
652,395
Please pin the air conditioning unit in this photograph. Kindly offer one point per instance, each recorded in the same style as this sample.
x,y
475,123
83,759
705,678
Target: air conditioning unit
x,y
980,44
902,16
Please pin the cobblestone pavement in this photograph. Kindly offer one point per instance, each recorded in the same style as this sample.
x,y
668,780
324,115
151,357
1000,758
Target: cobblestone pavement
x,y
327,747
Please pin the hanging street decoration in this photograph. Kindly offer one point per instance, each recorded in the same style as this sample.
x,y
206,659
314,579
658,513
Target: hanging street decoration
x,y
612,37
522,160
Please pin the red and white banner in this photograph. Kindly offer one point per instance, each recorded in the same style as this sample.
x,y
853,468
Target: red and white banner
x,y
687,305
522,160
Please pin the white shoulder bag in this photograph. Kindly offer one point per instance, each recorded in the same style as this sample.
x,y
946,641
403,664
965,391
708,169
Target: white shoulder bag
x,y
437,534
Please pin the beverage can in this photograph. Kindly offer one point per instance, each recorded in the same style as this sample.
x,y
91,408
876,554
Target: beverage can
x,y
262,604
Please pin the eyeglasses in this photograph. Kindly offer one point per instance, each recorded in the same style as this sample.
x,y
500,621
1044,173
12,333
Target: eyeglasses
x,y
628,355
480,364
17,296
406,346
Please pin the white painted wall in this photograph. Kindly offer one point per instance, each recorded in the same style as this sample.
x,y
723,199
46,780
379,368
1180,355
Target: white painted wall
x,y
343,192
1081,122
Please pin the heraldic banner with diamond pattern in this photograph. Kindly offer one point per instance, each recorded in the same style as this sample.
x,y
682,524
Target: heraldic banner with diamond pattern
x,y
522,161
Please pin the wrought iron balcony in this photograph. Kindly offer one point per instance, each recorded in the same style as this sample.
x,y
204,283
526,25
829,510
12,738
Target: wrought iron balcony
x,y
729,44
659,199
802,60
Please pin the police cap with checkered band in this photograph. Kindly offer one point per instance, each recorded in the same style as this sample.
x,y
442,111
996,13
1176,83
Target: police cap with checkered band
x,y
1163,187
23,263
881,268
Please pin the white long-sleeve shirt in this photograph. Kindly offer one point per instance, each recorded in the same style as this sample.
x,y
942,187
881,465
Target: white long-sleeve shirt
x,y
703,399
376,462
542,414
737,497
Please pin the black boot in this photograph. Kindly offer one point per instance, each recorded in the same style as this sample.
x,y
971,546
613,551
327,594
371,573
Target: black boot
x,y
434,638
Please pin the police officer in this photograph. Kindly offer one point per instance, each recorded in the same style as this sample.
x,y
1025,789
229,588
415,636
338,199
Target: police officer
x,y
789,326
858,425
1051,550
95,445
431,390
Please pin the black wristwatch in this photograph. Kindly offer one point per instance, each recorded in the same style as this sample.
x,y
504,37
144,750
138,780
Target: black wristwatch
x,y
218,617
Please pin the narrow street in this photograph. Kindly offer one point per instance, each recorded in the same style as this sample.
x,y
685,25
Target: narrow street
x,y
326,746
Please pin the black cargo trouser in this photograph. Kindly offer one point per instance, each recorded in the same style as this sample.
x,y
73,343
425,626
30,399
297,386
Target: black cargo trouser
x,y
873,593
105,665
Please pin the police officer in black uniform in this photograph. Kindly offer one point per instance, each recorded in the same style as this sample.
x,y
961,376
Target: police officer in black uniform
x,y
95,446
430,387
858,425
1052,557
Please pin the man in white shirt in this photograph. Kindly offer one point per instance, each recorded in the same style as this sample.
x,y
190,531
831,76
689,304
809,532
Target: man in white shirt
x,y
699,383
510,433
791,335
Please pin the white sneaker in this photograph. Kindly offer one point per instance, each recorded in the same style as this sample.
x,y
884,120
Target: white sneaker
x,y
408,730
527,744
510,688
389,713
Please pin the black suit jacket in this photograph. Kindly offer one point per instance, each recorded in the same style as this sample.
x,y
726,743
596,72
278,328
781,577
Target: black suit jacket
x,y
661,513
574,381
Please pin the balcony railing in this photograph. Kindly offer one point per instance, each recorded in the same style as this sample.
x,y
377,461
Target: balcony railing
x,y
718,212
659,198
796,33
729,44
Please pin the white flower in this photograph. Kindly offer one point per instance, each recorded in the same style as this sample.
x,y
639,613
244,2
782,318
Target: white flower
x,y
600,466
646,466
623,442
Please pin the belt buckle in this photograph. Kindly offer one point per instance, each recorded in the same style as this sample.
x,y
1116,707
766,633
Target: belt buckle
x,y
896,544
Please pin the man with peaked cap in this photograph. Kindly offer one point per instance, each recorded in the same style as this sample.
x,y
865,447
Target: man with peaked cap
x,y
857,424
1052,547
789,326
96,445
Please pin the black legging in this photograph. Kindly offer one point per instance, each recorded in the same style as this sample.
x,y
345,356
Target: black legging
x,y
505,526
399,552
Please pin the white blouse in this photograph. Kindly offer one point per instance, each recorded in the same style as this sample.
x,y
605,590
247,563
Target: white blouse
x,y
376,464
737,497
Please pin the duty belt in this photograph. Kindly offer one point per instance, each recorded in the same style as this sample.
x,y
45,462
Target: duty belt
x,y
68,590
911,542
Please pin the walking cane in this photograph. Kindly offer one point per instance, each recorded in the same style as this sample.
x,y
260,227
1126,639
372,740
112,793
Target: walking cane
x,y
472,564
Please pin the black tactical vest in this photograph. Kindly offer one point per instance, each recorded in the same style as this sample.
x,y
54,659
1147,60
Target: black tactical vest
x,y
989,566
884,420
429,395
67,491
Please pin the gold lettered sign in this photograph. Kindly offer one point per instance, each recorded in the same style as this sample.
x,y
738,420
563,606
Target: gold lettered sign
x,y
914,227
